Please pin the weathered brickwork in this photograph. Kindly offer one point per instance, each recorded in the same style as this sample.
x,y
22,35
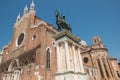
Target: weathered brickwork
x,y
38,51
97,62
115,68
25,57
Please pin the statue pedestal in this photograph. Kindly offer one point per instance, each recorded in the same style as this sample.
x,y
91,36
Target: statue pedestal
x,y
69,61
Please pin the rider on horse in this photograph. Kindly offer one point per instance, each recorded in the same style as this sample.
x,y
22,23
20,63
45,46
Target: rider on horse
x,y
61,22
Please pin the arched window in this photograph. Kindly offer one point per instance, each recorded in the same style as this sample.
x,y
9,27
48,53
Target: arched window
x,y
105,67
48,58
15,70
100,68
118,75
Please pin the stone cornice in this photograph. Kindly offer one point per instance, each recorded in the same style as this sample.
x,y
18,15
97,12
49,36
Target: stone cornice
x,y
92,49
68,34
70,72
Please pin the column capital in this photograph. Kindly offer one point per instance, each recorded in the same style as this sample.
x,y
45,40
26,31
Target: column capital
x,y
56,44
65,41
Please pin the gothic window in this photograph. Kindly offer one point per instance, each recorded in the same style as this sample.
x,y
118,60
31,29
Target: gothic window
x,y
109,67
15,72
100,68
33,37
105,68
48,58
118,75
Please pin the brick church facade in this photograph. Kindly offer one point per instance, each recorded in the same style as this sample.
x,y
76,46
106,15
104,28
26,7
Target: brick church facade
x,y
34,52
38,51
97,62
32,45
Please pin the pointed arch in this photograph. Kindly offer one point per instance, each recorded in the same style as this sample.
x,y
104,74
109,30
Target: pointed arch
x,y
14,63
14,69
48,52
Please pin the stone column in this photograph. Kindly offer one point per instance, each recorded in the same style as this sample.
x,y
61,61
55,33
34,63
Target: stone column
x,y
8,76
80,59
75,59
5,77
103,70
18,75
58,58
15,76
67,56
12,75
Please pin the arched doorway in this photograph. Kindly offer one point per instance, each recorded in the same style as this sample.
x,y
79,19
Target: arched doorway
x,y
13,72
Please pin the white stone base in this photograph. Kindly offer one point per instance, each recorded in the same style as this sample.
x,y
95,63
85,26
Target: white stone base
x,y
71,76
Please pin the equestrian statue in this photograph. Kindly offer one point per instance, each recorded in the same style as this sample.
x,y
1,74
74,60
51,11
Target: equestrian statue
x,y
61,22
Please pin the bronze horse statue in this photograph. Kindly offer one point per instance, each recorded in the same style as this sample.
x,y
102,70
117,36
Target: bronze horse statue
x,y
61,22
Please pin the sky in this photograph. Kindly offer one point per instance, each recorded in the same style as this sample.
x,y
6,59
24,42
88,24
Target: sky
x,y
87,18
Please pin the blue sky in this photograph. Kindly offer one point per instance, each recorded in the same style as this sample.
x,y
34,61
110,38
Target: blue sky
x,y
88,18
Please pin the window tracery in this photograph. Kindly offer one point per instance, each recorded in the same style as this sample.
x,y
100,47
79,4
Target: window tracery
x,y
48,58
